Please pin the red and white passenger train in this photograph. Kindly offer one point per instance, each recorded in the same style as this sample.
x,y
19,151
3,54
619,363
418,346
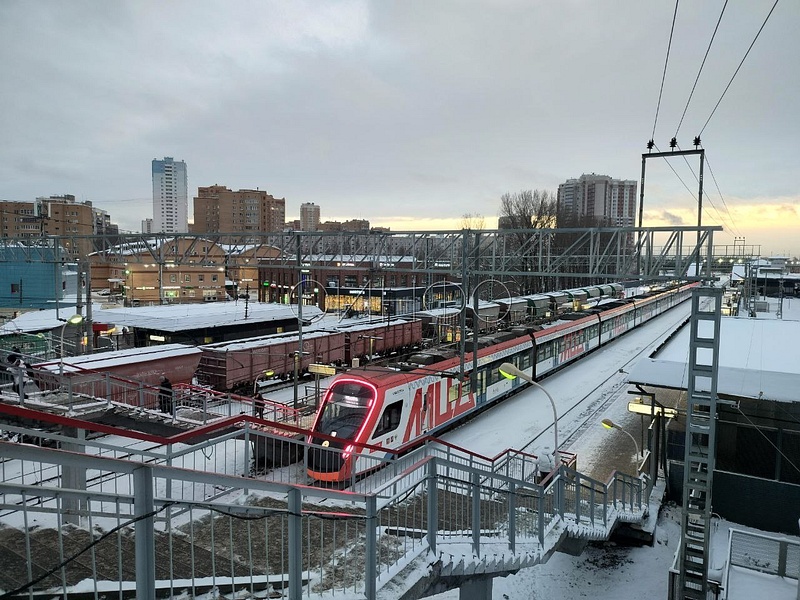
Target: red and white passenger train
x,y
375,412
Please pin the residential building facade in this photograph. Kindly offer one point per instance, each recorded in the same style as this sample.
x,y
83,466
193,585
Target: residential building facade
x,y
353,225
309,216
53,215
170,196
597,200
220,210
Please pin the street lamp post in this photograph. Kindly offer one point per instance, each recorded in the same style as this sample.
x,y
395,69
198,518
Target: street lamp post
x,y
73,320
510,371
609,424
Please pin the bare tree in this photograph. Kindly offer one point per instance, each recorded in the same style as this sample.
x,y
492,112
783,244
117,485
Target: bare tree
x,y
525,211
529,209
472,221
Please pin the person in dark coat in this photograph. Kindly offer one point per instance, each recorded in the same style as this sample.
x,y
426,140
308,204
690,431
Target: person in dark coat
x,y
165,395
15,371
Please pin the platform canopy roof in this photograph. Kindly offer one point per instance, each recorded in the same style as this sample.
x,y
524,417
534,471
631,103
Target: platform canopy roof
x,y
758,359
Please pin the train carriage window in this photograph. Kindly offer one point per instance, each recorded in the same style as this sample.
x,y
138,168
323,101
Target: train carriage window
x,y
525,361
452,392
389,420
466,384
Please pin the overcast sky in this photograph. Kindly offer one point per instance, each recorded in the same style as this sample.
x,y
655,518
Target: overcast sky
x,y
409,114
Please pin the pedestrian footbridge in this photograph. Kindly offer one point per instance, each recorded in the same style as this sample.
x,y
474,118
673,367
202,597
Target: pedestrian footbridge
x,y
117,512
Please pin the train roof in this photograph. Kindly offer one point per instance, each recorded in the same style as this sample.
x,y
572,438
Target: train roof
x,y
107,360
265,340
368,325
438,313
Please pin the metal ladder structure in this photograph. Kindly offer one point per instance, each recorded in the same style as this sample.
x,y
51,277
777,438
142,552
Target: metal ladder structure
x,y
700,448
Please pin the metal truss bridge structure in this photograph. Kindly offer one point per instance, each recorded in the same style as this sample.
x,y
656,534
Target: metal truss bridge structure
x,y
580,254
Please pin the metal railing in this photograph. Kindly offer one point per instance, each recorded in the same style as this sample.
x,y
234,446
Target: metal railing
x,y
215,520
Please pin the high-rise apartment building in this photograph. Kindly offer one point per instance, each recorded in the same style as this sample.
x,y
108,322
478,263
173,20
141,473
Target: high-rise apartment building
x,y
309,216
170,196
147,225
597,200
220,210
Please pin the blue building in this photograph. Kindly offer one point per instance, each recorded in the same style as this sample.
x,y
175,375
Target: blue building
x,y
30,277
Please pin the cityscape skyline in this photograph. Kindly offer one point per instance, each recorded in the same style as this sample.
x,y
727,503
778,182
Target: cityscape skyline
x,y
404,115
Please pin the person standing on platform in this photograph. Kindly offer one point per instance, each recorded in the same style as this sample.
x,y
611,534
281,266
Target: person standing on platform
x,y
165,395
16,373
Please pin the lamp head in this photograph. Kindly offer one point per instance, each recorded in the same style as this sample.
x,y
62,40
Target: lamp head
x,y
509,371
608,424
75,320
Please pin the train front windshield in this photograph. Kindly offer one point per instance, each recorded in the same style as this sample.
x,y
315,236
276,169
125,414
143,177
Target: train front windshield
x,y
345,409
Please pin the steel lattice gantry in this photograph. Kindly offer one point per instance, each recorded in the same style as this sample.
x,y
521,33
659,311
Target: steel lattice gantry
x,y
583,254
699,453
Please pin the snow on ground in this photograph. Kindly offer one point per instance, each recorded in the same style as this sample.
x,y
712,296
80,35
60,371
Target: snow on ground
x,y
607,571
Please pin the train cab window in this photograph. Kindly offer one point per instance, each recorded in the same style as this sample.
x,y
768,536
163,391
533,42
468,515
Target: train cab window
x,y
465,385
345,409
390,419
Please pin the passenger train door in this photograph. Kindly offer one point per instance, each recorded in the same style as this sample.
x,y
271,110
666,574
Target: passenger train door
x,y
480,387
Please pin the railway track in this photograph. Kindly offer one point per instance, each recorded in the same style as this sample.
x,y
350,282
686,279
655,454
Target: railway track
x,y
610,391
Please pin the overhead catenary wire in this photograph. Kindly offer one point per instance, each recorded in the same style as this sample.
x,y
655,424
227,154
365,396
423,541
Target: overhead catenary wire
x,y
735,229
711,41
664,74
727,87
720,216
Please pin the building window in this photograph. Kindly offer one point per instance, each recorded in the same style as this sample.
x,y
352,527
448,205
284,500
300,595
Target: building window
x,y
187,278
214,278
173,278
201,277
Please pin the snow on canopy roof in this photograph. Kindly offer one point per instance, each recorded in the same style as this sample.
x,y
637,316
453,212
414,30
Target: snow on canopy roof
x,y
46,320
184,317
758,358
173,317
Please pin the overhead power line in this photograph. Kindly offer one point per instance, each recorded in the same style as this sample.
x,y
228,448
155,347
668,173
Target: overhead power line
x,y
701,67
720,216
740,66
688,189
727,210
664,75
